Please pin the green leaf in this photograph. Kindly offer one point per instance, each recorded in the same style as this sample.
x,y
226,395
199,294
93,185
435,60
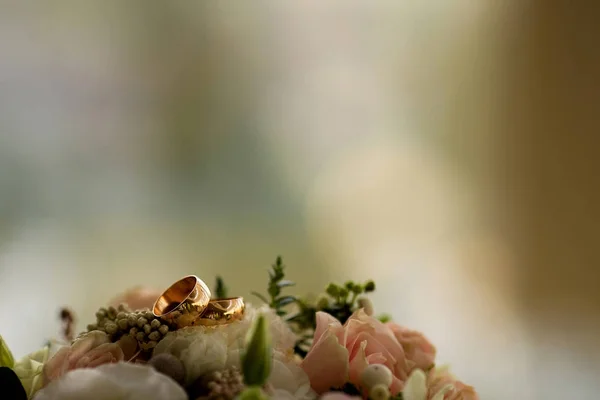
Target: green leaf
x,y
252,393
220,288
257,357
260,296
285,283
273,290
6,357
284,301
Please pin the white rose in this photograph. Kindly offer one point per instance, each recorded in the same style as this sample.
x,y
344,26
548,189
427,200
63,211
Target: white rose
x,y
204,349
122,381
288,380
200,349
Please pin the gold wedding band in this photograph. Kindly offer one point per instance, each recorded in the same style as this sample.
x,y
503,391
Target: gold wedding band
x,y
187,303
183,302
222,311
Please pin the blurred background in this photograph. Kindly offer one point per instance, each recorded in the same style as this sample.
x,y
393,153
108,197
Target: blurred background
x,y
446,149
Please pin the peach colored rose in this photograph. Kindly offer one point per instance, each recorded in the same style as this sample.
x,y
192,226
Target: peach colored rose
x,y
88,351
137,298
437,379
420,353
339,354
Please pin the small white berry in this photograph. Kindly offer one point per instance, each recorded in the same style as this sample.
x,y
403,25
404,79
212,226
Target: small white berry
x,y
379,392
376,374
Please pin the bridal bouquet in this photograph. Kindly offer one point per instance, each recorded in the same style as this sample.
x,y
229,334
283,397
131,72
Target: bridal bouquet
x,y
189,343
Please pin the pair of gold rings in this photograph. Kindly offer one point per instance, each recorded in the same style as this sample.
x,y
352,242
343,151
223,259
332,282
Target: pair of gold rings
x,y
188,302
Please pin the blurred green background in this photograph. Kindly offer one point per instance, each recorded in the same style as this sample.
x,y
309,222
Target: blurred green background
x,y
446,149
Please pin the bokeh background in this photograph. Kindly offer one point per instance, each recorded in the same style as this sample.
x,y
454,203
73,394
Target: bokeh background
x,y
446,149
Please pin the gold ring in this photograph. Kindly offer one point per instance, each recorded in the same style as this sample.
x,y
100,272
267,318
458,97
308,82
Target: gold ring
x,y
222,311
183,302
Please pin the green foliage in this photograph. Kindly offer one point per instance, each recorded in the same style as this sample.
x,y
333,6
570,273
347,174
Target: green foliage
x,y
342,301
339,300
252,393
220,288
6,357
384,318
276,283
256,360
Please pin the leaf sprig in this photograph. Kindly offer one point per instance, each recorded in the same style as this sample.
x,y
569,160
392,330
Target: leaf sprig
x,y
220,288
341,300
276,283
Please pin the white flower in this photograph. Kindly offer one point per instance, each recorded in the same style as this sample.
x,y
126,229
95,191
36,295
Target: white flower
x,y
120,381
288,380
281,335
206,353
200,349
204,349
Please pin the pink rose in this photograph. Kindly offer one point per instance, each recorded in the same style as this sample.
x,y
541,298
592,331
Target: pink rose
x,y
420,353
339,354
88,351
137,298
438,379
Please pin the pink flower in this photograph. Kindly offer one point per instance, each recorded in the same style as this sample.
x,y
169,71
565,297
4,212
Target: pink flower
x,y
88,351
137,298
420,353
340,354
437,379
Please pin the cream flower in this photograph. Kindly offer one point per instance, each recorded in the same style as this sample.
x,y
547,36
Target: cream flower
x,y
123,381
288,379
29,370
200,349
205,349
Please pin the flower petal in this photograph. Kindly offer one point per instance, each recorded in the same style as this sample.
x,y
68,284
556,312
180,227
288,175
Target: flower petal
x,y
442,392
113,381
358,364
416,386
327,363
325,322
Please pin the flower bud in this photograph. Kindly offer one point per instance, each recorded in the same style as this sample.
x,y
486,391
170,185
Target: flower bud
x,y
6,357
333,290
322,302
376,374
252,393
369,286
256,360
366,304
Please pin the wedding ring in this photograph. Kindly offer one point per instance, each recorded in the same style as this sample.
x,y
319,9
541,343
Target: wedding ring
x,y
222,311
183,302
